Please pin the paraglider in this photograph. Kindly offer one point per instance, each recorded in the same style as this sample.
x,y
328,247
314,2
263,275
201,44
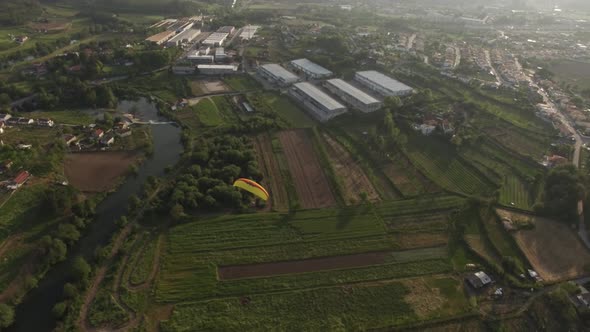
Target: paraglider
x,y
252,187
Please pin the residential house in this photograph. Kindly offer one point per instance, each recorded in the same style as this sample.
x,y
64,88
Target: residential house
x,y
108,140
121,125
70,139
19,180
24,146
5,116
124,132
98,133
21,39
4,167
25,121
478,280
45,122
75,69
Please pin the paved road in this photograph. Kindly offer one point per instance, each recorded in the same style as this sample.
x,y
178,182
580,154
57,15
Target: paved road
x,y
489,61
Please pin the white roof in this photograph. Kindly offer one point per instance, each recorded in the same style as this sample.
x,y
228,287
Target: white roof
x,y
383,80
280,72
215,37
311,67
233,67
187,34
485,279
318,95
353,91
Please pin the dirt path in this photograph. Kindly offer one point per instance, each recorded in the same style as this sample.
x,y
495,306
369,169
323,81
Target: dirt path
x,y
82,322
155,267
311,184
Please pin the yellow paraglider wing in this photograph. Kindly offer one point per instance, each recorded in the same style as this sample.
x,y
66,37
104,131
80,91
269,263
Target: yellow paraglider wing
x,y
252,187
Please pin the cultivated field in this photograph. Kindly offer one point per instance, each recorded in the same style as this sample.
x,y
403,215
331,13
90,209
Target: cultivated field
x,y
97,171
273,181
553,249
311,183
354,180
343,263
51,26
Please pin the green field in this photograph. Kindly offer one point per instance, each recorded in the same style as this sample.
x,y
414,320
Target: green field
x,y
572,72
242,83
288,110
208,113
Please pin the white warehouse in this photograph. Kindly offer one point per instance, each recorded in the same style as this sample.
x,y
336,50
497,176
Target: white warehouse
x,y
322,106
217,69
186,36
353,96
278,75
310,69
381,84
215,39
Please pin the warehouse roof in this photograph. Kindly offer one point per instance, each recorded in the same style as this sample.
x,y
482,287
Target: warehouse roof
x,y
384,81
280,72
311,67
187,34
233,67
362,96
160,36
318,95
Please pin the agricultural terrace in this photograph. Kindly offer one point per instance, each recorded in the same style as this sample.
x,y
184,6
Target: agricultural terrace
x,y
305,258
273,179
441,163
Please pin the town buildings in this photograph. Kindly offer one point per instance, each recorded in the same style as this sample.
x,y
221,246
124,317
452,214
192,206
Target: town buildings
x,y
216,39
161,38
184,37
217,69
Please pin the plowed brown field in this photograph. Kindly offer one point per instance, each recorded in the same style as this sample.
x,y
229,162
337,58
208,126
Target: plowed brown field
x,y
311,183
97,171
353,178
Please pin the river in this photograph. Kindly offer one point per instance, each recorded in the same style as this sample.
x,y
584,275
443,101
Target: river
x,y
34,313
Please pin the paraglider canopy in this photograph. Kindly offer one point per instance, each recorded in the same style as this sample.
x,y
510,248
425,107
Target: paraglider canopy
x,y
252,187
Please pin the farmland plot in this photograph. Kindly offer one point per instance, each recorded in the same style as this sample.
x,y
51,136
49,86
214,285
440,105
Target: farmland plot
x,y
311,183
350,173
272,173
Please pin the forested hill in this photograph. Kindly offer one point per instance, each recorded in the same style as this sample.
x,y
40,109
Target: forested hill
x,y
14,12
146,6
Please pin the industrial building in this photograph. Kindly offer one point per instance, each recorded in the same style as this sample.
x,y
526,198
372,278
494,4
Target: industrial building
x,y
217,69
381,84
478,280
249,31
183,37
161,38
227,29
310,69
322,106
277,74
197,58
216,39
220,54
353,96
183,70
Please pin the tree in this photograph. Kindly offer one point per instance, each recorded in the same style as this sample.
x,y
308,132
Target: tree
x,y
59,309
70,291
393,103
80,269
6,315
68,233
177,212
562,193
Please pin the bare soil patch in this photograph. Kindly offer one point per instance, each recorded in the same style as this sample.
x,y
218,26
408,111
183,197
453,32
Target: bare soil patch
x,y
554,250
478,245
353,178
301,266
423,298
279,200
51,26
422,240
311,183
98,171
208,86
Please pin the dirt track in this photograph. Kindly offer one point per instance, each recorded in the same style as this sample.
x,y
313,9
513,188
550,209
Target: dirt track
x,y
97,171
554,250
301,266
272,173
353,178
311,184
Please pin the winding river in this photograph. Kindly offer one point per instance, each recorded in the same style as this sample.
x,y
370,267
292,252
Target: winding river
x,y
34,313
